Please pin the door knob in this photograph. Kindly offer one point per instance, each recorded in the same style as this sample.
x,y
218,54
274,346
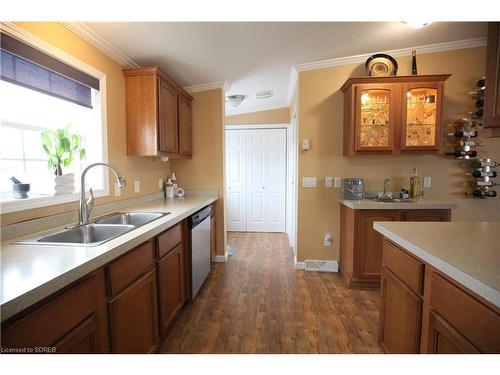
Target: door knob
x,y
263,187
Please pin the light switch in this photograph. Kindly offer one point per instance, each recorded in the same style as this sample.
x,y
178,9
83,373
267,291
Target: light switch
x,y
338,182
137,186
427,182
328,181
309,182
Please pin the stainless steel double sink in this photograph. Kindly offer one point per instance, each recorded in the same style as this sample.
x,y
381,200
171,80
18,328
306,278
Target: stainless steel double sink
x,y
96,233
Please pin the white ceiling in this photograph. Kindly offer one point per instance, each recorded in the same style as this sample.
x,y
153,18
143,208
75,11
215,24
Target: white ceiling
x,y
256,56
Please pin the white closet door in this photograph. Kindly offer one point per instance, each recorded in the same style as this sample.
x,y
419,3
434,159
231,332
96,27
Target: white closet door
x,y
236,180
257,160
276,180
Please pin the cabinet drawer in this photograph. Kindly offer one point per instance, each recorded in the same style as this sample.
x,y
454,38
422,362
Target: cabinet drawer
x,y
470,317
129,268
405,267
168,240
48,324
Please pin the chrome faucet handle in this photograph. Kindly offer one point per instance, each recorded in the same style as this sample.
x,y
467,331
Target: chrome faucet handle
x,y
90,204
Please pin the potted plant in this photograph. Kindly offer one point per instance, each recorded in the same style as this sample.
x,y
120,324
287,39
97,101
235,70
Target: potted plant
x,y
61,147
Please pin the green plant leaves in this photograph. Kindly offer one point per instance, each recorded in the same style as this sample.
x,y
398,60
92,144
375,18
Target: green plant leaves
x,y
61,146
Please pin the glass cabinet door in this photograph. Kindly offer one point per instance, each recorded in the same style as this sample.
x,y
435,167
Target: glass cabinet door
x,y
420,125
374,122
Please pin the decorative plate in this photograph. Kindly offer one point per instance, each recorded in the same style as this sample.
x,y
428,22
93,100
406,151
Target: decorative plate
x,y
381,65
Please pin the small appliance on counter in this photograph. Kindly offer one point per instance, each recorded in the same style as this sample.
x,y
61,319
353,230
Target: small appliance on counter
x,y
353,188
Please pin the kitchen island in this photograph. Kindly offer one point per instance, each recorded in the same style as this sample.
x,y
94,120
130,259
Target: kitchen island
x,y
440,287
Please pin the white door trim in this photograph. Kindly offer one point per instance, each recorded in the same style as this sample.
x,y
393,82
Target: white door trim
x,y
257,126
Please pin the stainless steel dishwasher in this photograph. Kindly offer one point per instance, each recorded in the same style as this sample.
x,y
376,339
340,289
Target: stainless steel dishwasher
x,y
199,229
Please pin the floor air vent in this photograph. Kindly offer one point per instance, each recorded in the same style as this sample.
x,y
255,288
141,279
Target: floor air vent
x,y
322,265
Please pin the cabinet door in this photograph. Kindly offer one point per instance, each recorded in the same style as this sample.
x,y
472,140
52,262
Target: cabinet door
x,y
428,215
421,122
400,316
444,339
133,317
185,126
81,340
368,256
167,122
376,116
492,92
170,286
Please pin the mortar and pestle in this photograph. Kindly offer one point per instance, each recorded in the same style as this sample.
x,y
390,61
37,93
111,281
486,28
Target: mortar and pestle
x,y
19,189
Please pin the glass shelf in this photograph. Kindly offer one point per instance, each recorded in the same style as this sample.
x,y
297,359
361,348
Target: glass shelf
x,y
421,107
374,118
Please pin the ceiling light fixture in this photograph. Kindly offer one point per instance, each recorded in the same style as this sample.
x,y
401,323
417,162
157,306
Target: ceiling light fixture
x,y
417,24
234,100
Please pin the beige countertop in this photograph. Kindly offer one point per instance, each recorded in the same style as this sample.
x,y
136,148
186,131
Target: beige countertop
x,y
468,252
30,273
419,204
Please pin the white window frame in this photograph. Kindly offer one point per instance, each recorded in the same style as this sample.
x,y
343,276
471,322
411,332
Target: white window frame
x,y
42,45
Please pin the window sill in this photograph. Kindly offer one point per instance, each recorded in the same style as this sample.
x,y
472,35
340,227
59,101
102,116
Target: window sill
x,y
39,201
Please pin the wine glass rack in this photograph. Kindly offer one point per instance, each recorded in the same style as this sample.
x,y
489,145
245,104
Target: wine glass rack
x,y
466,142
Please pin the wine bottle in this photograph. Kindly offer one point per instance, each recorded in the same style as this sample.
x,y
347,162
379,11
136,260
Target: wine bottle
x,y
476,114
413,63
476,94
481,83
479,174
463,143
479,103
484,193
464,133
480,163
462,153
484,183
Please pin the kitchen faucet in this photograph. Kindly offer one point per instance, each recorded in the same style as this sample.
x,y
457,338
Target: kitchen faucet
x,y
86,205
387,193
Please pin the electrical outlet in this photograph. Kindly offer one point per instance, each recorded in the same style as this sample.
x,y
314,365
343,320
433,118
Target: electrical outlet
x,y
160,184
338,182
427,182
328,181
137,186
309,182
328,241
118,190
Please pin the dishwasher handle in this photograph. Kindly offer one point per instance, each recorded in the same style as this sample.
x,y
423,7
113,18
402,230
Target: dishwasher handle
x,y
198,217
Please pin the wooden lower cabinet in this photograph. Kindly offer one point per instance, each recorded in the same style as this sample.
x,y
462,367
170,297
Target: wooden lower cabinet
x,y
73,320
361,245
400,316
133,319
170,287
445,318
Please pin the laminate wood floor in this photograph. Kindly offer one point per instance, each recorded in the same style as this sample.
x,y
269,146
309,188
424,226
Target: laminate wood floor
x,y
258,302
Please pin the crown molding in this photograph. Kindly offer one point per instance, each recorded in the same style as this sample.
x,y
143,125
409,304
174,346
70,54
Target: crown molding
x,y
208,86
86,33
429,48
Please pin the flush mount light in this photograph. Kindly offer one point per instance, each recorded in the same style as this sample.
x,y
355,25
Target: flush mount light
x,y
417,24
234,100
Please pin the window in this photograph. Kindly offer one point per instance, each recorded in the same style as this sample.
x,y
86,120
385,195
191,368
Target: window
x,y
45,94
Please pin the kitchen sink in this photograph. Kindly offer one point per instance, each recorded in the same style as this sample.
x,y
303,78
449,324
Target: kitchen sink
x,y
131,218
96,233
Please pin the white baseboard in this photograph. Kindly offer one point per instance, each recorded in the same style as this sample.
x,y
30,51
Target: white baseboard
x,y
300,265
220,258
321,265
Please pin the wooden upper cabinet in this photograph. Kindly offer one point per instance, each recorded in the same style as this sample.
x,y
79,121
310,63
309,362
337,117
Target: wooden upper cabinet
x,y
393,115
158,114
492,92
185,126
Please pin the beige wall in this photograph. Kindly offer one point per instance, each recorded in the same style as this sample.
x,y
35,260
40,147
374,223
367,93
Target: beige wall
x,y
146,170
320,120
206,169
273,116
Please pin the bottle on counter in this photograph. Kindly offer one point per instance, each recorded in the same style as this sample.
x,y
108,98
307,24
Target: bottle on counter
x,y
413,63
415,184
169,188
462,153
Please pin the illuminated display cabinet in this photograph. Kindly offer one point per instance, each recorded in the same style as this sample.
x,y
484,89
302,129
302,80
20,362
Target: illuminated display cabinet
x,y
393,115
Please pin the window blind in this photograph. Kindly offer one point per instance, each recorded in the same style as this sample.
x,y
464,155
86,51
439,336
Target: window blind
x,y
26,66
